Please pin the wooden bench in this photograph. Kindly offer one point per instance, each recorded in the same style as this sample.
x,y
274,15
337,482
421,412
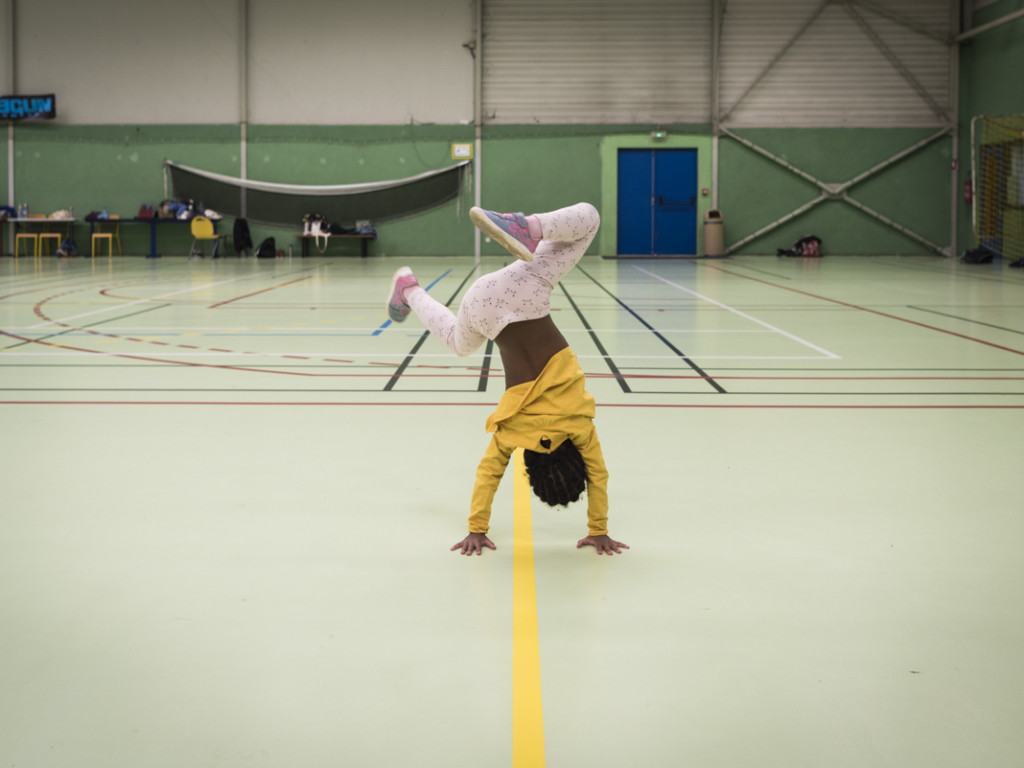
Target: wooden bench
x,y
365,239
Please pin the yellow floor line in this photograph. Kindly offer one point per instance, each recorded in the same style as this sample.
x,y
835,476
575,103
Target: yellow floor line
x,y
527,711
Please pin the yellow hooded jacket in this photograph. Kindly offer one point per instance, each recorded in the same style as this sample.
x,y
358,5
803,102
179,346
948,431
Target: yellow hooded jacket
x,y
554,407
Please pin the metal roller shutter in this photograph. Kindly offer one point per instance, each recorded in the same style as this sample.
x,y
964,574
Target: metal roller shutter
x,y
596,61
836,63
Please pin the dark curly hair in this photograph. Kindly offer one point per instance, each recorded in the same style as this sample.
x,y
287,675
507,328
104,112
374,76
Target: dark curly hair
x,y
558,478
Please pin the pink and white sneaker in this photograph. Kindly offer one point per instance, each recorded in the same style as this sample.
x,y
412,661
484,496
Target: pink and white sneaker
x,y
509,229
398,307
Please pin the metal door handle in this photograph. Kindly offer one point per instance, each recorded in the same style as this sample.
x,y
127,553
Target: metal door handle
x,y
690,204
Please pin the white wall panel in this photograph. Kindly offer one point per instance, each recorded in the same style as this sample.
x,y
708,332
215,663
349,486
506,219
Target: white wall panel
x,y
5,53
597,61
401,61
124,61
309,61
834,74
385,62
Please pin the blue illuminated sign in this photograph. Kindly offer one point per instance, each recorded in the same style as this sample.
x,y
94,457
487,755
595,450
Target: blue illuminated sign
x,y
28,107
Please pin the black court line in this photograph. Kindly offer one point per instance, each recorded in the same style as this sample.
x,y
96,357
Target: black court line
x,y
417,404
856,370
869,310
966,319
81,327
188,390
692,399
462,371
485,370
597,342
682,355
824,395
393,381
940,267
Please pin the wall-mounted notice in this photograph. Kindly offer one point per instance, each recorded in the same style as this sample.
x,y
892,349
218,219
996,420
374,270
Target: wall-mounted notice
x,y
28,107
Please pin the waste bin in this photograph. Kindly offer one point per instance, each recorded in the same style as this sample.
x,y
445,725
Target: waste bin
x,y
713,242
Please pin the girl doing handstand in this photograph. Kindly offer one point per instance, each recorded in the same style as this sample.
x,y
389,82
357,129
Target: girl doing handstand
x,y
546,409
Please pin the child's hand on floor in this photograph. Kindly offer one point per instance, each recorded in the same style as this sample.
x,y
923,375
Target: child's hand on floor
x,y
474,544
605,545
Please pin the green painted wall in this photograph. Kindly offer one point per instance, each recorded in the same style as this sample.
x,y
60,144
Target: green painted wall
x,y
3,178
529,168
756,191
354,154
549,166
989,85
120,167
540,167
610,146
114,167
532,168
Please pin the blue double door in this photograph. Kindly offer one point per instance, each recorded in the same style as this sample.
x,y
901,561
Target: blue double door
x,y
657,202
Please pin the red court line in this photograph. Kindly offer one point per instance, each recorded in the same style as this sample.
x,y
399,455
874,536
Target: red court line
x,y
807,378
262,290
38,309
162,361
227,367
865,309
824,407
22,293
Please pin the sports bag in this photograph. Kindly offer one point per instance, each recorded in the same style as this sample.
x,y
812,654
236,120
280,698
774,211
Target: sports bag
x,y
980,255
806,247
267,249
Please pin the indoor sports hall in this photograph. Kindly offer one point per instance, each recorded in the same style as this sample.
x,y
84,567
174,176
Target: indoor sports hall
x,y
232,483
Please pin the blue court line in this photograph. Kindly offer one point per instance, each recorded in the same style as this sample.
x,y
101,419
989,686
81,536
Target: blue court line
x,y
443,275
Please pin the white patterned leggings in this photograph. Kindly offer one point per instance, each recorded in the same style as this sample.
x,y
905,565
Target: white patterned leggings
x,y
519,291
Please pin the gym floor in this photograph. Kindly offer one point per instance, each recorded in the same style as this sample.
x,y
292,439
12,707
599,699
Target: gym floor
x,y
230,488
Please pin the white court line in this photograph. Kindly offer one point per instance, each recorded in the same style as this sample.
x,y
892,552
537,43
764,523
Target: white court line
x,y
16,352
138,301
701,357
647,332
342,331
158,354
816,348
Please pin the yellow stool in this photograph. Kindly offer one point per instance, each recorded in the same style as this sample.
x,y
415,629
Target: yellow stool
x,y
110,237
101,236
47,236
29,237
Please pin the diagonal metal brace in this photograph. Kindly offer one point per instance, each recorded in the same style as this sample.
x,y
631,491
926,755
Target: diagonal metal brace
x,y
898,65
837,191
778,56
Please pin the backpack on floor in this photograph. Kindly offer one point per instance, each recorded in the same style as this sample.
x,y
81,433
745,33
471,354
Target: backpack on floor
x,y
806,247
267,249
977,256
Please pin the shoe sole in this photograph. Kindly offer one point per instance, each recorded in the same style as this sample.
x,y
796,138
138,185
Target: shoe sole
x,y
391,293
493,231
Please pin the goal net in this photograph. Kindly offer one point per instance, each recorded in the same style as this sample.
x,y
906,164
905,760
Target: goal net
x,y
998,176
